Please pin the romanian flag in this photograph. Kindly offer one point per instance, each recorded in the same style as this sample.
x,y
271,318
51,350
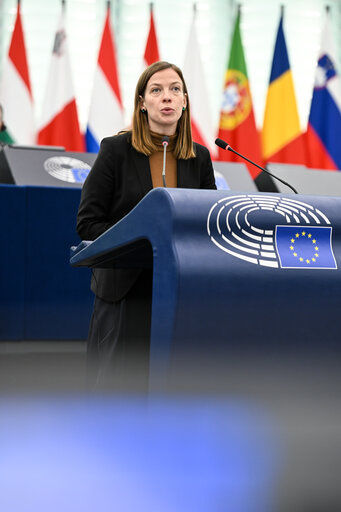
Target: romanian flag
x,y
324,126
237,122
282,139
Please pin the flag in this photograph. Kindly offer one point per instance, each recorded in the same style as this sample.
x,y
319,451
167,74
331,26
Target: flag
x,y
202,127
305,247
59,124
324,125
106,111
16,92
282,140
237,122
151,53
5,137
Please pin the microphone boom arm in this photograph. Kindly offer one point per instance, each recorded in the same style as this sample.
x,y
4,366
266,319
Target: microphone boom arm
x,y
223,145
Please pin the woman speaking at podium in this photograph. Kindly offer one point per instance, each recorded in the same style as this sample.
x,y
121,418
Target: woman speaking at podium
x,y
127,167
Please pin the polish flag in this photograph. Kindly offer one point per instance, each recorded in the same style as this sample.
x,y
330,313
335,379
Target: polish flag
x,y
202,126
151,53
59,123
16,91
106,110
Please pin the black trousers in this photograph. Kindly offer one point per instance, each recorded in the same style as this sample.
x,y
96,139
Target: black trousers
x,y
119,340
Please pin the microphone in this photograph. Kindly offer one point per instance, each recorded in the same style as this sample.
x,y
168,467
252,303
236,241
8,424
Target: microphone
x,y
165,142
224,145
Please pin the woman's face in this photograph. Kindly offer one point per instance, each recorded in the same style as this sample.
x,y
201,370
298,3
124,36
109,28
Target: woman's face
x,y
164,99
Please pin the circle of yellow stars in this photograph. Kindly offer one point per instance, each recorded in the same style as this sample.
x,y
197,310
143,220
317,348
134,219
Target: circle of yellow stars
x,y
303,234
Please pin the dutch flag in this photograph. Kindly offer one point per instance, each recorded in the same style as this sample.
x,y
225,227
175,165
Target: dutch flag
x,y
106,110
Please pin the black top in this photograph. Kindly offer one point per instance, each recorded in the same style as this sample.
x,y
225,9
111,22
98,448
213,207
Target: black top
x,y
118,180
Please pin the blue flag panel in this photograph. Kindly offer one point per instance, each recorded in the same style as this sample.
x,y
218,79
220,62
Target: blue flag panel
x,y
280,62
305,247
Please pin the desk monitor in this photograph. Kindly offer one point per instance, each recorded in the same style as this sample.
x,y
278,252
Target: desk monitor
x,y
306,181
236,176
44,166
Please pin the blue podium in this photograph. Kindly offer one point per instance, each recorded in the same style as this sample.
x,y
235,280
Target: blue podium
x,y
230,271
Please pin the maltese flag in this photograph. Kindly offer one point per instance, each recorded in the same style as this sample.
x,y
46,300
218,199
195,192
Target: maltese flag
x,y
106,110
202,126
16,93
59,123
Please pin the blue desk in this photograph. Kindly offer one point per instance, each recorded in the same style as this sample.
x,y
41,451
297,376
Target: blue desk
x,y
41,297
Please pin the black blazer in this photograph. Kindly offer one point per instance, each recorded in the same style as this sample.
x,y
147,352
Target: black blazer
x,y
119,179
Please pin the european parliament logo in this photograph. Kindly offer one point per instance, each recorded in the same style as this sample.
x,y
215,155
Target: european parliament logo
x,y
67,169
272,231
305,247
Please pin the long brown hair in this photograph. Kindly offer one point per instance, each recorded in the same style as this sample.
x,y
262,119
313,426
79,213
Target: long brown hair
x,y
141,137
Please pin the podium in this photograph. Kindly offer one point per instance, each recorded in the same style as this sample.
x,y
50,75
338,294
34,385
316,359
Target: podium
x,y
231,272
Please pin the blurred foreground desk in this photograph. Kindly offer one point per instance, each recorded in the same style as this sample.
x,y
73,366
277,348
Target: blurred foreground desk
x,y
231,271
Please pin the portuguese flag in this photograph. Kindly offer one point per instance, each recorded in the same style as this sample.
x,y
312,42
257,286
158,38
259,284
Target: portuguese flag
x,y
237,122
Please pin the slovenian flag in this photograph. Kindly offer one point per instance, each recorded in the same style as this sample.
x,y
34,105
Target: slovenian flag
x,y
282,139
324,126
106,111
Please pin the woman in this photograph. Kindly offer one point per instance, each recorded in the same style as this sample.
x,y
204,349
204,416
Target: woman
x,y
127,167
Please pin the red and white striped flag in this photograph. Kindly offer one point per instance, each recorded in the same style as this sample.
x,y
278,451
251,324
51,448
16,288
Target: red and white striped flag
x,y
106,110
59,123
202,126
151,53
16,92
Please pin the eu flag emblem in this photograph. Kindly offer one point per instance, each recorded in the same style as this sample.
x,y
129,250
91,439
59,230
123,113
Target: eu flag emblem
x,y
305,247
80,174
